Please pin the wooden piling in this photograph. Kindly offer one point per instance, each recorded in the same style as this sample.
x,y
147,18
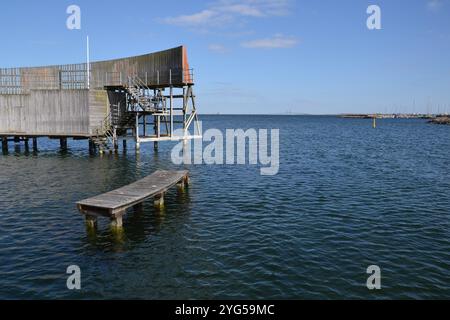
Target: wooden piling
x,y
35,145
91,222
91,146
144,129
159,201
182,184
27,145
4,144
117,222
63,143
137,139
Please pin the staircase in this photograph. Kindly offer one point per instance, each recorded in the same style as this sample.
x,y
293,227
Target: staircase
x,y
137,90
104,135
119,122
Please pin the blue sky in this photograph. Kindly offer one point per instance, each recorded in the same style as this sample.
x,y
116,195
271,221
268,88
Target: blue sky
x,y
250,56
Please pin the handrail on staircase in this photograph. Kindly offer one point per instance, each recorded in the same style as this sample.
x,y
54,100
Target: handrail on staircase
x,y
105,125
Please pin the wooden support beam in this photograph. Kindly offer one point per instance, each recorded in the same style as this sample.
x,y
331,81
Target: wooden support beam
x,y
137,138
115,140
4,144
144,122
157,122
181,186
186,181
91,222
159,201
117,222
91,146
27,146
35,145
63,143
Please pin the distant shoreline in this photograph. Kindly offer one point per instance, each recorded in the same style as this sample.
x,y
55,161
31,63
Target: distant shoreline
x,y
341,115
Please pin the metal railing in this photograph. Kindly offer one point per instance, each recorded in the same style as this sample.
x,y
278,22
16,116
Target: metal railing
x,y
156,78
74,77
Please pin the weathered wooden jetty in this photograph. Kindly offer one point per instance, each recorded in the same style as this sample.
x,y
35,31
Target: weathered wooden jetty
x,y
114,204
146,98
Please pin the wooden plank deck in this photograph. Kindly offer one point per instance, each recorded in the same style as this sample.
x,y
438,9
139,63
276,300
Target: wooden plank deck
x,y
115,203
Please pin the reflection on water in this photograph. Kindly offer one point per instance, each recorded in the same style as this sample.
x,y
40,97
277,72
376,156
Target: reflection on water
x,y
141,222
347,196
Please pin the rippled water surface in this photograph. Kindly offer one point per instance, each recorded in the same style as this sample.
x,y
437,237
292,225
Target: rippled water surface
x,y
346,197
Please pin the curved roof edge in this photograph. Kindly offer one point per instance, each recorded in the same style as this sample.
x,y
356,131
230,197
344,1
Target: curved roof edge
x,y
182,47
161,68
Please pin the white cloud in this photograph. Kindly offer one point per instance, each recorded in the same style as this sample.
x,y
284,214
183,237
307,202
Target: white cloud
x,y
224,12
434,5
199,18
277,41
242,9
218,48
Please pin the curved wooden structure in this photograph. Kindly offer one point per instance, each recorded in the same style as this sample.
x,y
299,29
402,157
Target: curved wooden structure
x,y
101,102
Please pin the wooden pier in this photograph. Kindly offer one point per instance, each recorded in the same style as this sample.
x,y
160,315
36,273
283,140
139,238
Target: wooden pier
x,y
114,204
149,98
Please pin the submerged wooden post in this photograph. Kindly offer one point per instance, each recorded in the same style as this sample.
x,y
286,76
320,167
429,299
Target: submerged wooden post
x,y
159,201
144,121
124,144
117,222
183,184
63,143
138,142
374,125
115,140
91,222
27,145
91,146
35,145
4,144
117,219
